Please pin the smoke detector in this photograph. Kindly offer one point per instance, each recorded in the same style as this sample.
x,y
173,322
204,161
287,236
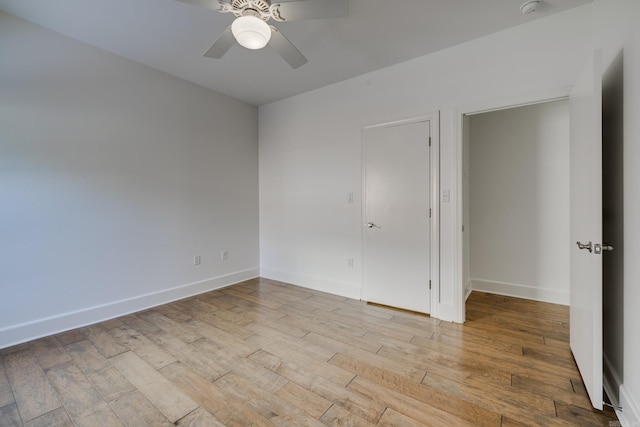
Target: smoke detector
x,y
530,6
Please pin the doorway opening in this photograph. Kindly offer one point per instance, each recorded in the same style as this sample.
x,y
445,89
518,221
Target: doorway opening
x,y
585,224
516,202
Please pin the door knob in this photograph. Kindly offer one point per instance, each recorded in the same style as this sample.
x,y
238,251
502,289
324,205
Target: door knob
x,y
586,246
372,225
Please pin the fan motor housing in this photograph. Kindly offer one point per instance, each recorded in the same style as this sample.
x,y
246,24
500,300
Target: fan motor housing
x,y
260,7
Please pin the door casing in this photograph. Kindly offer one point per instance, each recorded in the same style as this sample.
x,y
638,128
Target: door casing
x,y
456,310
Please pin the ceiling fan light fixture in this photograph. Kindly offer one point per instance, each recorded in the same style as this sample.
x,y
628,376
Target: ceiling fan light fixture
x,y
251,32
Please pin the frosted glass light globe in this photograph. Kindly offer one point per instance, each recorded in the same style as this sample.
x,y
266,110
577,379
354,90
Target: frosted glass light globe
x,y
251,32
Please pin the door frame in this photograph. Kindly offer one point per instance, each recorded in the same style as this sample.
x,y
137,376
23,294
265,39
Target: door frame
x,y
434,159
459,295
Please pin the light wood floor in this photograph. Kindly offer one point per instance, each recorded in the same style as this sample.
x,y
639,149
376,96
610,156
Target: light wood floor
x,y
266,353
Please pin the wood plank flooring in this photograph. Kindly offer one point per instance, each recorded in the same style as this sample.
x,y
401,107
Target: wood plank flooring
x,y
266,353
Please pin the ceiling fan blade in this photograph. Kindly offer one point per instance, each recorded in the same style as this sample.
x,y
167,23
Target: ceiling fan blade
x,y
310,9
218,5
222,45
286,49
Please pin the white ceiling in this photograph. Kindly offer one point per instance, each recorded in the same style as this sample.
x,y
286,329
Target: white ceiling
x,y
172,36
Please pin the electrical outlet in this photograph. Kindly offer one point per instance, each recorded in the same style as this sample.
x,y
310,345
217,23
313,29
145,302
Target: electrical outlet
x,y
350,262
196,260
224,255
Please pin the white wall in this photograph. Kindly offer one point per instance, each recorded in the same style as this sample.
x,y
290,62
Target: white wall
x,y
310,153
112,177
519,201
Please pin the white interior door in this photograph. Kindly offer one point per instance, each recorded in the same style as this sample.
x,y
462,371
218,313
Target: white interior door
x,y
586,227
397,222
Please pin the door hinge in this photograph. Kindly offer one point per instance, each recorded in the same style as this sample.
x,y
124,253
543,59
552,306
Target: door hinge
x,y
429,212
429,284
429,141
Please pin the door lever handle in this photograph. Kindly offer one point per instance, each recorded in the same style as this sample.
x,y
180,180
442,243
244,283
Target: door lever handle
x,y
586,246
598,248
372,225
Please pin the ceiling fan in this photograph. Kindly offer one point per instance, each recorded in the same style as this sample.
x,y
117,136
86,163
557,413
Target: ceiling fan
x,y
251,30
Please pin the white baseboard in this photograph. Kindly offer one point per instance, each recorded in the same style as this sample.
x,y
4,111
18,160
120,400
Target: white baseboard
x,y
611,381
630,414
521,291
468,288
16,334
321,284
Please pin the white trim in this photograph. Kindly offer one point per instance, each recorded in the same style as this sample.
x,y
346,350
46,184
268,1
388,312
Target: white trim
x,y
457,179
516,101
405,121
468,288
517,290
436,304
434,190
630,414
457,238
16,334
322,284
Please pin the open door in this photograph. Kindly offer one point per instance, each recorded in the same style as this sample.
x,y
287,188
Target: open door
x,y
586,227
